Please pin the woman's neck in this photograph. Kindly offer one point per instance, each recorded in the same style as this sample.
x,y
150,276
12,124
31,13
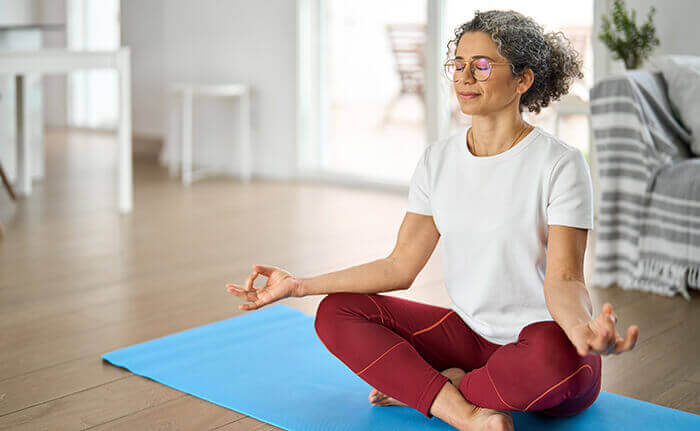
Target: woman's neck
x,y
494,135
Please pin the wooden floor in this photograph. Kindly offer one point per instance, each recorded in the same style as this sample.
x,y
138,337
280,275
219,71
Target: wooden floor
x,y
77,279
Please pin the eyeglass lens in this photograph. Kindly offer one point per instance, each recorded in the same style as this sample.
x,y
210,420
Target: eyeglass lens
x,y
480,69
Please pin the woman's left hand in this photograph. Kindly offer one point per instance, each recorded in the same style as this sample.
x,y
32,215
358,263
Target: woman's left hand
x,y
598,335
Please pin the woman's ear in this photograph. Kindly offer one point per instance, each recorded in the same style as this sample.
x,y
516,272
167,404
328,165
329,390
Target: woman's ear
x,y
525,80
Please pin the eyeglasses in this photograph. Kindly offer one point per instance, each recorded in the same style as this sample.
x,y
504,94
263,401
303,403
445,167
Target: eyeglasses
x,y
479,67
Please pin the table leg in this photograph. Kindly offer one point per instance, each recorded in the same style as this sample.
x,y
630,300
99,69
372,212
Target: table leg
x,y
246,159
187,136
24,153
124,153
34,97
171,142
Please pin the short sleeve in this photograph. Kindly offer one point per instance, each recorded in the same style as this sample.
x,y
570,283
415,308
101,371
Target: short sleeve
x,y
570,201
418,189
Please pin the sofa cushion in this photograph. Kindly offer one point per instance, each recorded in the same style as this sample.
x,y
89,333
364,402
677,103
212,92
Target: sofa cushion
x,y
682,75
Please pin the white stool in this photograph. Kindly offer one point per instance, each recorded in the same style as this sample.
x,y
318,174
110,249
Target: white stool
x,y
185,93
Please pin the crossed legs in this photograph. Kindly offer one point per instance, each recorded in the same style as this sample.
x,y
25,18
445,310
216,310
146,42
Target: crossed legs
x,y
398,345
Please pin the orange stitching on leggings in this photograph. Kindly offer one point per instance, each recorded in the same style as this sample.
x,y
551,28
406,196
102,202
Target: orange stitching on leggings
x,y
434,324
571,375
381,316
494,388
380,356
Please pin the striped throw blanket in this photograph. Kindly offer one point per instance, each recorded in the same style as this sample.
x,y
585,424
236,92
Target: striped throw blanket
x,y
648,215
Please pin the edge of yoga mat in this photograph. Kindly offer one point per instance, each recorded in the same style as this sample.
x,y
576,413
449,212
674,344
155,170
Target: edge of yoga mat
x,y
117,357
609,411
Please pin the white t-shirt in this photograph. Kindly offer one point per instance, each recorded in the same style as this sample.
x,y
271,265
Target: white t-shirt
x,y
492,214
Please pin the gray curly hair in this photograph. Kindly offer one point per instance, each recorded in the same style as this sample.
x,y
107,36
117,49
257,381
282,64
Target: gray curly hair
x,y
523,42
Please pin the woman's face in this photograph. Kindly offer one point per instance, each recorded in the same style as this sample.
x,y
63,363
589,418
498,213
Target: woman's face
x,y
499,90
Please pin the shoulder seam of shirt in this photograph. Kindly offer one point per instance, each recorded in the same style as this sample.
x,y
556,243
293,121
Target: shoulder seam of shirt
x,y
554,166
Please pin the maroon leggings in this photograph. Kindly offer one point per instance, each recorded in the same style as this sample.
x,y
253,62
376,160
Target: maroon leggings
x,y
400,346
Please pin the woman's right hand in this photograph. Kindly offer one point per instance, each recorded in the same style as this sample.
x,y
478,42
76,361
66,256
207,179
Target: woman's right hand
x,y
280,284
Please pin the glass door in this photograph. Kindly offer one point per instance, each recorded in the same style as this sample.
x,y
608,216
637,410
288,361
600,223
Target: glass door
x,y
375,93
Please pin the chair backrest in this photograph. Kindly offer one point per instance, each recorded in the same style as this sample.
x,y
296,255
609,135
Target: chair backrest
x,y
407,41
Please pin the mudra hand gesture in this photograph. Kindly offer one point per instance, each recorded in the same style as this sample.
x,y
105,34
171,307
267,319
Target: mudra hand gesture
x,y
599,336
280,284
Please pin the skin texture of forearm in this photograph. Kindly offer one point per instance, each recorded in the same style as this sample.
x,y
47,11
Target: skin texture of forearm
x,y
568,302
381,275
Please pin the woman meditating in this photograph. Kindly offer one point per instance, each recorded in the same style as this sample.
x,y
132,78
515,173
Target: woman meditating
x,y
513,205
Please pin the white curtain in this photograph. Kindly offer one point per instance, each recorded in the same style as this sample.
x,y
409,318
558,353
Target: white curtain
x,y
93,97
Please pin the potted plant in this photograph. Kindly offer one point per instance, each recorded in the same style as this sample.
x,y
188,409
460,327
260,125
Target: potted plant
x,y
627,42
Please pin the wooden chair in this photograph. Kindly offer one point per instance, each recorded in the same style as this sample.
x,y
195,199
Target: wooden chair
x,y
8,186
407,41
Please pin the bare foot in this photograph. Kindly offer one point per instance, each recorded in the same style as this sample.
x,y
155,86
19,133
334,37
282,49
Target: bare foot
x,y
480,419
379,399
491,420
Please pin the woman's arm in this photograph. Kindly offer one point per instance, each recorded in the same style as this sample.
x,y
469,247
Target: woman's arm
x,y
415,243
569,303
381,275
565,292
568,300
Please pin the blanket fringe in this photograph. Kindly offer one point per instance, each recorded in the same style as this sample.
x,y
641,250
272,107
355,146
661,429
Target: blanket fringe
x,y
656,275
694,277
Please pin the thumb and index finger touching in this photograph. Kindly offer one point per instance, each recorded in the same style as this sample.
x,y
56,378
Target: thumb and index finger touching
x,y
265,270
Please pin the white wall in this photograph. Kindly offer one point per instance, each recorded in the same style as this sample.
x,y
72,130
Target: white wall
x,y
676,26
212,41
19,12
142,31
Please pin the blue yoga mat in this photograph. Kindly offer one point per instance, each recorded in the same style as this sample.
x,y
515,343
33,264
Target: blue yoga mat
x,y
270,365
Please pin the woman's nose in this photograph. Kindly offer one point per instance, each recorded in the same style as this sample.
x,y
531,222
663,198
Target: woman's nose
x,y
466,75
